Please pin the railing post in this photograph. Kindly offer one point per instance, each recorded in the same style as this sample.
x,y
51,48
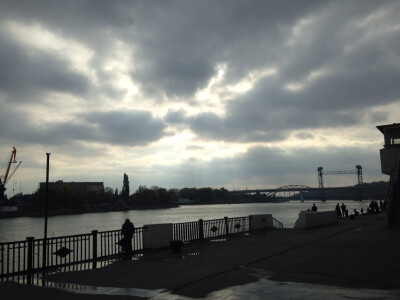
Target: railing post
x,y
250,218
94,233
29,259
226,226
201,230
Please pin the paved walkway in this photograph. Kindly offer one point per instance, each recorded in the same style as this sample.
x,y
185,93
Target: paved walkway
x,y
356,258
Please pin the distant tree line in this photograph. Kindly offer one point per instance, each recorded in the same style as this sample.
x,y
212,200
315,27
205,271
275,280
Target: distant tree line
x,y
68,198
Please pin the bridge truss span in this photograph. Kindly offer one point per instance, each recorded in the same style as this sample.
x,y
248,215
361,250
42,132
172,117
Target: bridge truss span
x,y
287,188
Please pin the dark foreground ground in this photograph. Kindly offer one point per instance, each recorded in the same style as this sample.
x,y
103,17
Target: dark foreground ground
x,y
357,259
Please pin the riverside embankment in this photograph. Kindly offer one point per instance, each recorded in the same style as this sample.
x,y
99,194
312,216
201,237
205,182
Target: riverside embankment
x,y
355,258
15,229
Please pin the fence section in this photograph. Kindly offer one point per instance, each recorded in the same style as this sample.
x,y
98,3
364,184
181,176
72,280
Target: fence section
x,y
62,251
13,257
188,231
37,255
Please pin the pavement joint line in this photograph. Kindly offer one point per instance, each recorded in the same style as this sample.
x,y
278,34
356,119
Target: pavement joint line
x,y
176,289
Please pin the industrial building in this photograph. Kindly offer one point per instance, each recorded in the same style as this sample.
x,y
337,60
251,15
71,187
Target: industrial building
x,y
81,187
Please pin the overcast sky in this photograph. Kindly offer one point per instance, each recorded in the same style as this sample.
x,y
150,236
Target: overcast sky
x,y
176,94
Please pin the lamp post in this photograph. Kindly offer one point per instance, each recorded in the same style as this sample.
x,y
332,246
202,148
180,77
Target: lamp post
x,y
46,211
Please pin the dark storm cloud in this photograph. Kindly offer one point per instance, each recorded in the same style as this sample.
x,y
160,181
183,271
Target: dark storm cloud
x,y
85,20
27,73
178,45
359,70
129,128
125,128
186,40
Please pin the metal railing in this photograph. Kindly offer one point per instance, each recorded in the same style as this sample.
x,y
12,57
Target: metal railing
x,y
204,229
276,223
188,231
24,258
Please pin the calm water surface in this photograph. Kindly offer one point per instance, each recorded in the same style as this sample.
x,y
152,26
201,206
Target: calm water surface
x,y
18,229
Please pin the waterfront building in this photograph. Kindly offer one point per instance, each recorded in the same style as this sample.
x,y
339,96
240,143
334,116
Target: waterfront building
x,y
81,187
390,165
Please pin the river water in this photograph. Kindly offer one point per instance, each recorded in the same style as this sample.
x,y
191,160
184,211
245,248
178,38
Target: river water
x,y
17,229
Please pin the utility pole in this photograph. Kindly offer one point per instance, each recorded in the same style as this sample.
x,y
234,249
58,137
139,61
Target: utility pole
x,y
46,211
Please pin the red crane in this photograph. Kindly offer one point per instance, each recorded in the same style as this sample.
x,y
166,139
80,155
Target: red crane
x,y
4,178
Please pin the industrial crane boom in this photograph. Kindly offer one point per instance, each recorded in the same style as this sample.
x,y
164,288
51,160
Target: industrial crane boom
x,y
14,170
6,175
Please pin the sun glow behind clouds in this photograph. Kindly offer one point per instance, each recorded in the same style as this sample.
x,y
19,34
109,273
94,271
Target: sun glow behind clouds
x,y
219,92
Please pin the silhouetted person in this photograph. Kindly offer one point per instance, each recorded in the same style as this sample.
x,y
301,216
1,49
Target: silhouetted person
x,y
314,208
128,229
338,211
356,213
376,206
362,211
380,204
343,207
373,206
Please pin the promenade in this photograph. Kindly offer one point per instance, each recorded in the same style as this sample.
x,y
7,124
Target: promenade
x,y
357,259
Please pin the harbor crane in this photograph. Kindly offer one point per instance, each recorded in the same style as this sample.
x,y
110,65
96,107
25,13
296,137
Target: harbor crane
x,y
7,175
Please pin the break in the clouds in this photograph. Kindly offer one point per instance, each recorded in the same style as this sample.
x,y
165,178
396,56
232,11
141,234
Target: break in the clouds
x,y
216,93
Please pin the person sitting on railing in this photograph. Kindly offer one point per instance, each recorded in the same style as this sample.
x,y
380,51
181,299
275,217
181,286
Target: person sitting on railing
x,y
128,229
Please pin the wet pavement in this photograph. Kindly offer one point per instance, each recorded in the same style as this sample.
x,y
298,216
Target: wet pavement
x,y
357,259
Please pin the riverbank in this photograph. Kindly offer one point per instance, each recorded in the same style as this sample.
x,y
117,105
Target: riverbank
x,y
355,258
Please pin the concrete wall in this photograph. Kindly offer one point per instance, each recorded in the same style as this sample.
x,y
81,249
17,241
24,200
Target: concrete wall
x,y
388,160
261,222
157,236
316,219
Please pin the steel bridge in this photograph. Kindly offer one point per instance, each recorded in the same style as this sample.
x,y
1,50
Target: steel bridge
x,y
305,192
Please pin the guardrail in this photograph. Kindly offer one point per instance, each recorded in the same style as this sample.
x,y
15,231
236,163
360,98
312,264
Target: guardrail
x,y
276,223
21,259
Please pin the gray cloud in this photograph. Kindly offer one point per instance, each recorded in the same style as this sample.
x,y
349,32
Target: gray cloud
x,y
176,48
274,166
175,116
358,73
129,128
125,128
182,46
26,74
